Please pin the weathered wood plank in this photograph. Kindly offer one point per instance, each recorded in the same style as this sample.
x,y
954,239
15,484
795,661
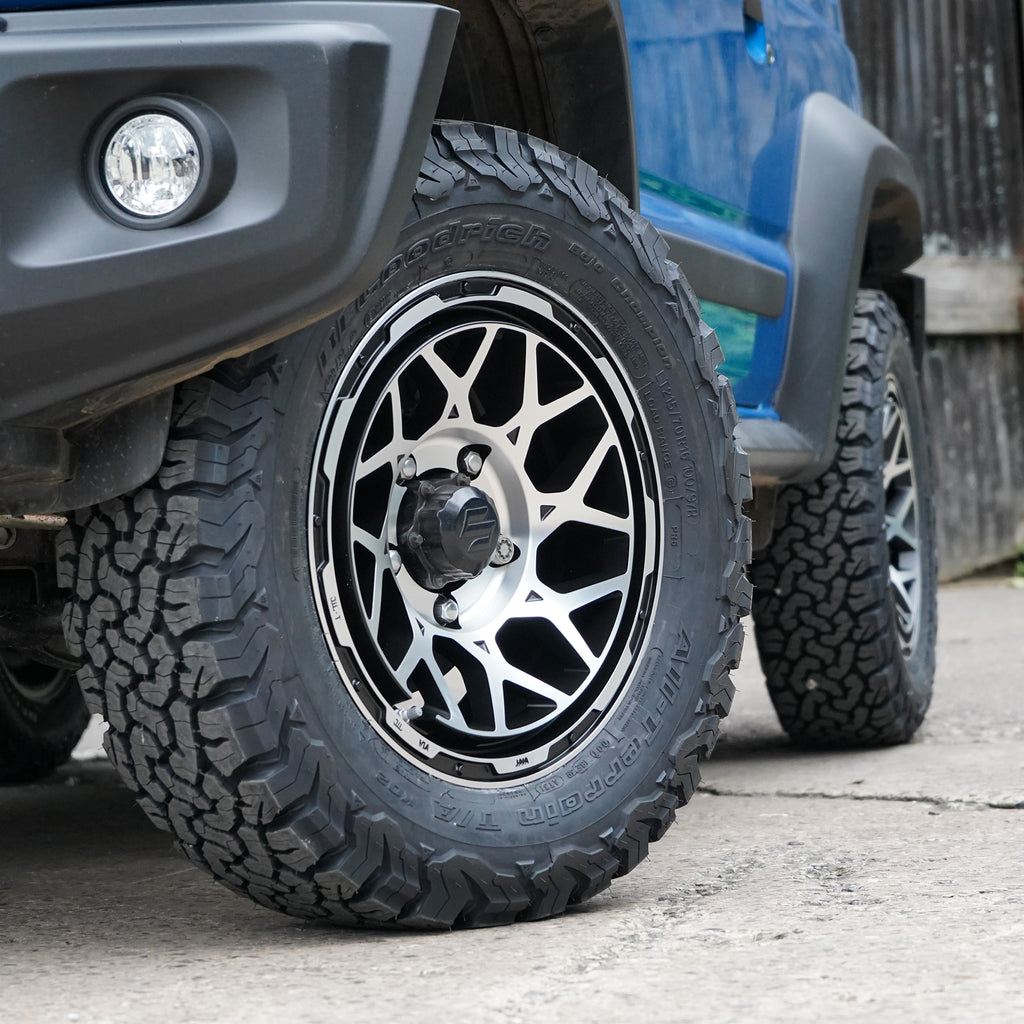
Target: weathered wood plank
x,y
974,394
942,78
972,296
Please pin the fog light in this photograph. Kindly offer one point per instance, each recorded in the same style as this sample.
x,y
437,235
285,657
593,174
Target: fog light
x,y
152,164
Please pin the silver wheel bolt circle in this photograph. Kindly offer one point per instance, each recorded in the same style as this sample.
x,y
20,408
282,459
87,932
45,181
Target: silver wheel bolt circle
x,y
407,468
446,610
471,463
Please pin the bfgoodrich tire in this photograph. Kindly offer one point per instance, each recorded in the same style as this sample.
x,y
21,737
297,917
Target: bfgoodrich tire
x,y
429,614
42,717
845,595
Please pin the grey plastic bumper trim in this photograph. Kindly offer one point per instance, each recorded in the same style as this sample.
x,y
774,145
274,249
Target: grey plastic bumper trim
x,y
328,105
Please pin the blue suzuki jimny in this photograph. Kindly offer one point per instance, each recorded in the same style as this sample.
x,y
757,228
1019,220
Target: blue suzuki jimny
x,y
369,457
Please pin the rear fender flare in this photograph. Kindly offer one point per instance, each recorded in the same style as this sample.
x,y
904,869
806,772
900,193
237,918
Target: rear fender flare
x,y
856,214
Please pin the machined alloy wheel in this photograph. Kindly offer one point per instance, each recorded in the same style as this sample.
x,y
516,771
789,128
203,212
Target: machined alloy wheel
x,y
901,516
32,680
429,614
486,665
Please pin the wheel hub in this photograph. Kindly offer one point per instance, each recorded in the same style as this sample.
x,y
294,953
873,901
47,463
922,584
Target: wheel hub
x,y
448,530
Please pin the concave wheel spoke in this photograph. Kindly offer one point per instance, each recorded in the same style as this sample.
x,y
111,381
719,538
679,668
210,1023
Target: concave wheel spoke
x,y
390,424
583,596
458,386
536,596
421,653
535,413
900,525
499,671
550,511
898,462
540,600
543,414
895,469
377,600
373,544
903,580
890,418
902,584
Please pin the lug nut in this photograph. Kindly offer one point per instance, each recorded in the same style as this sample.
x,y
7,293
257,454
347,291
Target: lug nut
x,y
446,610
471,463
396,561
504,552
407,468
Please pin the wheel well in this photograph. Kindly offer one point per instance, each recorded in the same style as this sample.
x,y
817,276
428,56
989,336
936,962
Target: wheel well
x,y
557,70
892,243
894,234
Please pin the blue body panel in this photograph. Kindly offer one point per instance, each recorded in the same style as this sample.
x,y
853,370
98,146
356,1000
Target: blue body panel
x,y
717,97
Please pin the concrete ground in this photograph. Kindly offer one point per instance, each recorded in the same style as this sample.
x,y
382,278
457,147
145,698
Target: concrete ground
x,y
883,886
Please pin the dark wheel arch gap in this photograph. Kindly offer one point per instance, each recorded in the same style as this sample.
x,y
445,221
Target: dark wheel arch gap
x,y
557,70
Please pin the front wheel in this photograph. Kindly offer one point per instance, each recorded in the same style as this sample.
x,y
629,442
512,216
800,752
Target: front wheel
x,y
429,614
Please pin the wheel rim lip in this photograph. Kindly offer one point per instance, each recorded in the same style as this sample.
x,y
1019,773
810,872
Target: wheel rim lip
x,y
901,493
363,366
35,692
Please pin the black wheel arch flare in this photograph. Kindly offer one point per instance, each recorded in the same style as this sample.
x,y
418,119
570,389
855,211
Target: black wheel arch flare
x,y
856,218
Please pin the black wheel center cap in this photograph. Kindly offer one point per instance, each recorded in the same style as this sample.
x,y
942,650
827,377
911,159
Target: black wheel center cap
x,y
447,530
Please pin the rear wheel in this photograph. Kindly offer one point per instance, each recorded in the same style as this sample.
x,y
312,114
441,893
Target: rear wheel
x,y
429,614
845,594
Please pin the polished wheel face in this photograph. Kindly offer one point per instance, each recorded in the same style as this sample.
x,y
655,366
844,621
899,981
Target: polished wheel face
x,y
484,529
32,680
901,517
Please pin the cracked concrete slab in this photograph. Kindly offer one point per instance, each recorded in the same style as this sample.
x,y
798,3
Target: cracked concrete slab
x,y
980,775
755,907
970,749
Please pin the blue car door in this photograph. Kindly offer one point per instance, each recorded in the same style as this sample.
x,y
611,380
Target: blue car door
x,y
705,93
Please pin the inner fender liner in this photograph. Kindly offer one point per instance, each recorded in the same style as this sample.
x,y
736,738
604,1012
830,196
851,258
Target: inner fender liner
x,y
48,469
328,106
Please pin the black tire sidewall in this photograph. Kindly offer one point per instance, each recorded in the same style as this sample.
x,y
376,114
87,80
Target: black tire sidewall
x,y
626,758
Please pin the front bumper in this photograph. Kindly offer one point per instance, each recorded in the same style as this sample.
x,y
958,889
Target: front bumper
x,y
328,105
